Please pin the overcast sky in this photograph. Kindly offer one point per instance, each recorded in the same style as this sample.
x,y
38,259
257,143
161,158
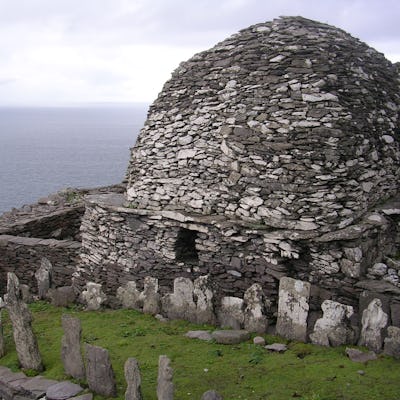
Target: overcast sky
x,y
74,51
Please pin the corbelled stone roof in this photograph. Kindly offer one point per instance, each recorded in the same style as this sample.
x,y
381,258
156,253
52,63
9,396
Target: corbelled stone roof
x,y
290,123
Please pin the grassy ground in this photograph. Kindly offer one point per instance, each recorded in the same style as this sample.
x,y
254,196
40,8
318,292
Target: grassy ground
x,y
236,371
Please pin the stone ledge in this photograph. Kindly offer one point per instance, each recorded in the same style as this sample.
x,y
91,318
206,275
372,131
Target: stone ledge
x,y
17,386
28,241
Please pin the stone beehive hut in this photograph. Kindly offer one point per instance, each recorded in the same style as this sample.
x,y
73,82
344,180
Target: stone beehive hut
x,y
271,154
291,124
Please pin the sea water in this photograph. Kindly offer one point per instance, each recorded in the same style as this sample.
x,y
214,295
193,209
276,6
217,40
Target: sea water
x,y
46,149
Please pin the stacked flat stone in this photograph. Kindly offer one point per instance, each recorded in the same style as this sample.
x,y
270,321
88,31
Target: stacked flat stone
x,y
290,123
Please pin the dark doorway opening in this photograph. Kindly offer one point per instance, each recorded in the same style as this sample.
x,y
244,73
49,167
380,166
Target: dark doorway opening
x,y
185,246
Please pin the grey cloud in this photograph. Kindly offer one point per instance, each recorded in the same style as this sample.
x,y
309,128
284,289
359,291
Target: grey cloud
x,y
184,22
7,81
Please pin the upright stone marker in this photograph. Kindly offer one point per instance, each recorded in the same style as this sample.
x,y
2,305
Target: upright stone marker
x,y
333,329
165,387
293,309
180,303
93,296
230,313
71,347
150,297
43,277
255,319
392,342
205,300
99,372
133,380
21,319
129,296
2,344
373,321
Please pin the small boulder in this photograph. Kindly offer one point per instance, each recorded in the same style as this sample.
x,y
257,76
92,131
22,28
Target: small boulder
x,y
201,335
230,337
359,356
259,341
277,347
211,395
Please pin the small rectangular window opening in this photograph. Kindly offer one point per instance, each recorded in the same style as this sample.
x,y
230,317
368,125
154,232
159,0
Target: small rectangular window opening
x,y
185,246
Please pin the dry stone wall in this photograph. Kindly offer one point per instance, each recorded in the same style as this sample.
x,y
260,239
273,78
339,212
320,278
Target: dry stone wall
x,y
121,244
23,256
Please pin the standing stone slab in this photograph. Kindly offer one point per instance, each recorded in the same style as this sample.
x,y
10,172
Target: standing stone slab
x,y
392,342
21,319
230,313
150,297
255,319
373,321
204,294
71,347
62,296
93,296
99,372
293,309
333,329
43,277
129,296
165,386
133,380
180,303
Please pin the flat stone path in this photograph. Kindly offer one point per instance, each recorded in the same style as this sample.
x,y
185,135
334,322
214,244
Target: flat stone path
x,y
18,386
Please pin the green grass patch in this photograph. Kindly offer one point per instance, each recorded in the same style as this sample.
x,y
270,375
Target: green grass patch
x,y
238,372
